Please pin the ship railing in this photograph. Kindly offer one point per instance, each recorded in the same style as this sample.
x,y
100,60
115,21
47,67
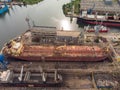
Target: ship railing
x,y
27,76
44,27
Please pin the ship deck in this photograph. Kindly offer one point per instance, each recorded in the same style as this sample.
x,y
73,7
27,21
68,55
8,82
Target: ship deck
x,y
32,78
72,51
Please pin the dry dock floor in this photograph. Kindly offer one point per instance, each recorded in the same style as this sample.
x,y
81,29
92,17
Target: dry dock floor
x,y
76,75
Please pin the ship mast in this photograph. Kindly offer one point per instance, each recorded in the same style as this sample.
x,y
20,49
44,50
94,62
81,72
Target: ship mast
x,y
72,11
43,74
97,28
28,22
21,74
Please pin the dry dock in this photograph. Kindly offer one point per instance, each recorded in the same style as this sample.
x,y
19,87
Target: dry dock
x,y
104,75
76,76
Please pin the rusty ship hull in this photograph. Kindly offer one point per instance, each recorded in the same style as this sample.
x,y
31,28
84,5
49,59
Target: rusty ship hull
x,y
56,47
59,58
79,53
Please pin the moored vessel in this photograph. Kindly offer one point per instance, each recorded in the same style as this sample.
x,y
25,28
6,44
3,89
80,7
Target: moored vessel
x,y
52,45
95,18
3,9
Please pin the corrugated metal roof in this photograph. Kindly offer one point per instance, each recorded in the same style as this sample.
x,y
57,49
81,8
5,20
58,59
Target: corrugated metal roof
x,y
108,2
58,32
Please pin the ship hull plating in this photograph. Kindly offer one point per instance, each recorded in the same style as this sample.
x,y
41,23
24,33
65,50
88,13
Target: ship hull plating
x,y
94,22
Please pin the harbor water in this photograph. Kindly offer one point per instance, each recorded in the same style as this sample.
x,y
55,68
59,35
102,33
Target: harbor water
x,y
45,13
